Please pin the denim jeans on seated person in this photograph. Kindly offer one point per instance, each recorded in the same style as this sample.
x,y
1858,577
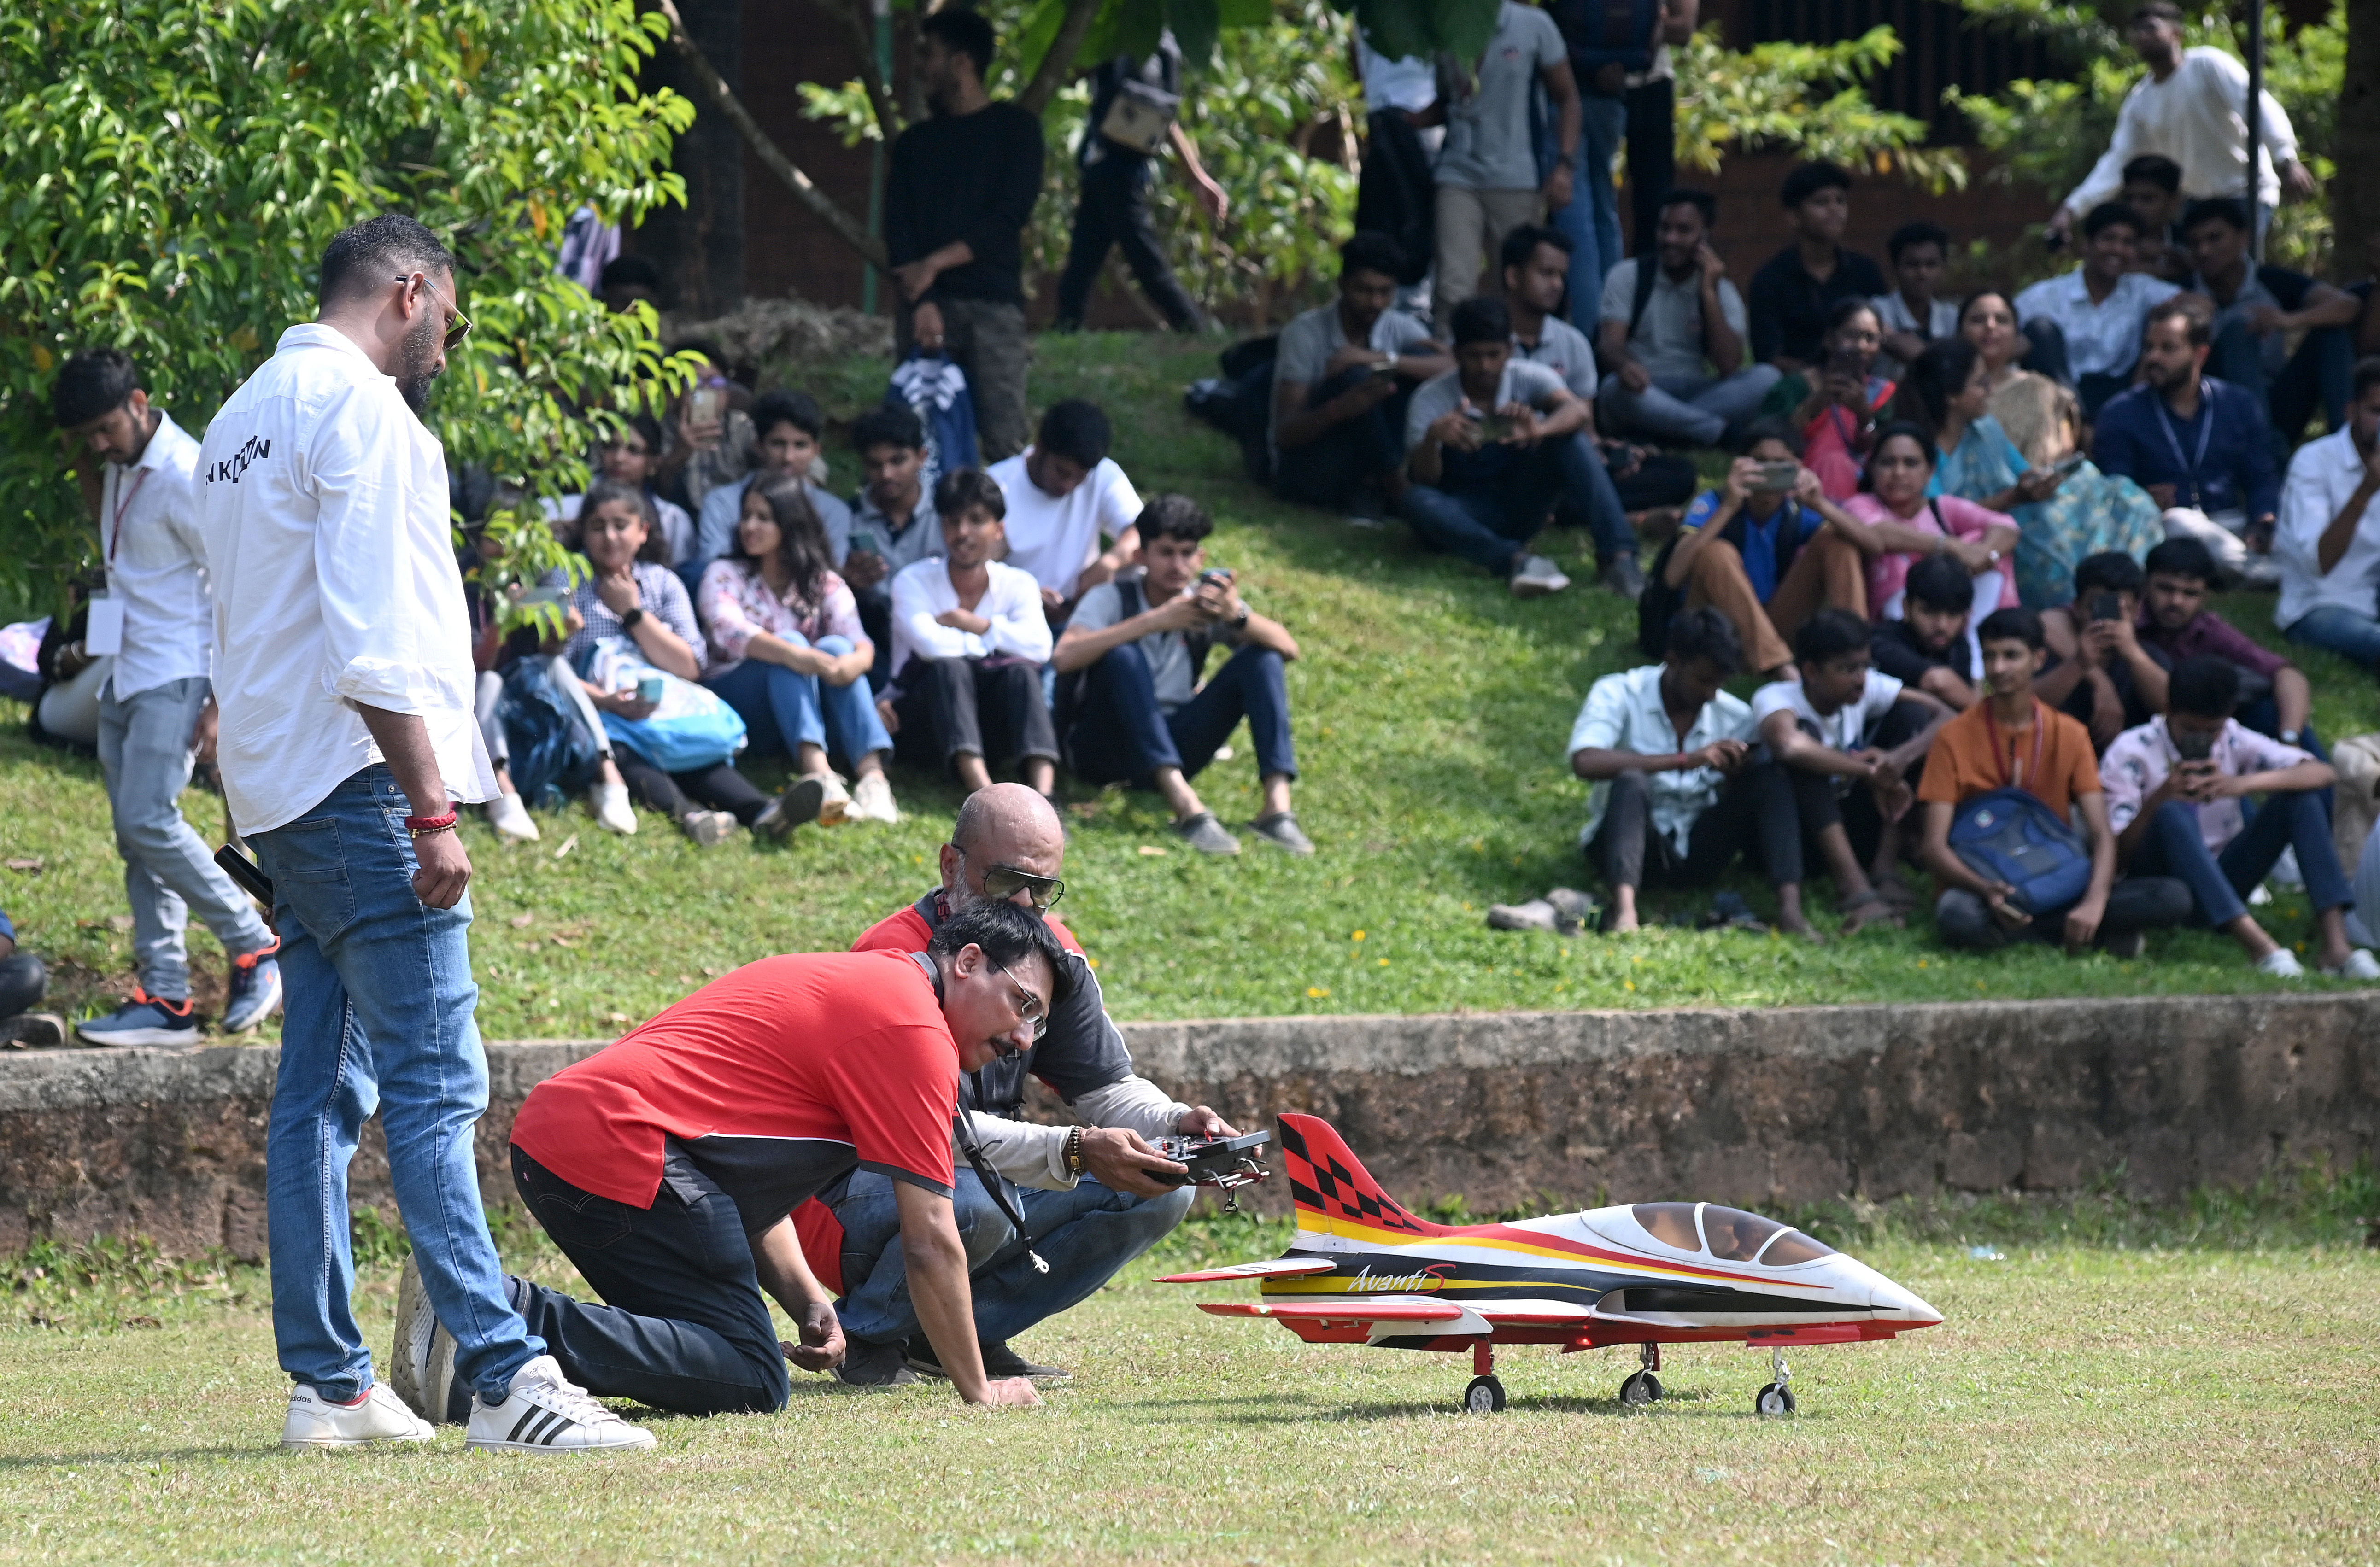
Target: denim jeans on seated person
x,y
1332,468
1085,1235
379,1015
1120,735
2219,883
2342,631
684,1327
781,708
2135,903
1487,504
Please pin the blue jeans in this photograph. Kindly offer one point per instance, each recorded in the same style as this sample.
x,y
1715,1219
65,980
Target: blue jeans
x,y
2219,883
1120,735
145,751
1087,1236
377,1014
782,710
1486,522
1591,217
2344,631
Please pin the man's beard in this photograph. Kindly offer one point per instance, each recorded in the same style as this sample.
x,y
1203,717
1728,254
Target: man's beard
x,y
416,364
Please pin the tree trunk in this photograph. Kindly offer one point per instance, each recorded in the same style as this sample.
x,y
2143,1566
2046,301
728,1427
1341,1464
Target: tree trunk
x,y
2354,187
699,247
1058,65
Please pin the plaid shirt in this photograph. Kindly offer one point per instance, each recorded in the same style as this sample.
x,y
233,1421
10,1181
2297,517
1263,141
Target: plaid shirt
x,y
2141,760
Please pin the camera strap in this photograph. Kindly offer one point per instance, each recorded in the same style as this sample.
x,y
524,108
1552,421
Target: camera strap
x,y
992,1184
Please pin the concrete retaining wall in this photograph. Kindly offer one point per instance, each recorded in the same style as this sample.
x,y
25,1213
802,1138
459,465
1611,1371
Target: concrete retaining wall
x,y
1758,1107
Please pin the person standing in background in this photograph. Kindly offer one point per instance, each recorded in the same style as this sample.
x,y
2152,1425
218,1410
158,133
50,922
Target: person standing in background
x,y
957,196
1113,207
156,709
1489,182
343,662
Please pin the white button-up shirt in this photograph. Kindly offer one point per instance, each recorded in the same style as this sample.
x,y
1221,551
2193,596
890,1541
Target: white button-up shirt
x,y
1013,604
323,501
157,564
2198,118
2322,476
1623,712
2101,338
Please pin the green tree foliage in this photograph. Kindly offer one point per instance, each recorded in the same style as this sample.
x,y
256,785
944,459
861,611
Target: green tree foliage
x,y
2045,135
1807,97
170,171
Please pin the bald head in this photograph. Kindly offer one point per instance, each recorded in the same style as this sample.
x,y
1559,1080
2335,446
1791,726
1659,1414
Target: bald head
x,y
1006,824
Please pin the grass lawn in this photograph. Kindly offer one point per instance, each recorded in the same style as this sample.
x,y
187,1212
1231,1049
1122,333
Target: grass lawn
x,y
2203,1387
1432,712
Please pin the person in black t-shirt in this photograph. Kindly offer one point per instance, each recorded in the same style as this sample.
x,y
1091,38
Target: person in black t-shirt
x,y
1113,207
2257,309
1928,648
957,197
1791,295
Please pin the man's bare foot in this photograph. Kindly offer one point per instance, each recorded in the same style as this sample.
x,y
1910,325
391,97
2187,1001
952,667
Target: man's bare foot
x,y
1793,923
1894,891
1861,913
1622,921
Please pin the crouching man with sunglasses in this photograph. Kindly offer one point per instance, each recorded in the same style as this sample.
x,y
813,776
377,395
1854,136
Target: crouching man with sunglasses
x,y
1088,1202
665,1166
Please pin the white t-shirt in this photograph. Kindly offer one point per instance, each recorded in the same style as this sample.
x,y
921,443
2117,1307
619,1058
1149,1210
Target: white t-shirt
x,y
1054,537
1846,728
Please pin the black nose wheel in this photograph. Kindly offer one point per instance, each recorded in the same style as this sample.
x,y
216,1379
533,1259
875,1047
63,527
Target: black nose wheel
x,y
1484,1396
1776,1398
1642,1386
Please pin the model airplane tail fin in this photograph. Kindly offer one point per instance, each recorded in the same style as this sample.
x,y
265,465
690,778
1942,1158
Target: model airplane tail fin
x,y
1332,1188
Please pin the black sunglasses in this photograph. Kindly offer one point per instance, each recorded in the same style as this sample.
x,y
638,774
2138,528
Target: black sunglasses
x,y
1004,882
461,327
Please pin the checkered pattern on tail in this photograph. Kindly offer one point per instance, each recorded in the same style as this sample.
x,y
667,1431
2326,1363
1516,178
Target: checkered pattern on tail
x,y
1329,1184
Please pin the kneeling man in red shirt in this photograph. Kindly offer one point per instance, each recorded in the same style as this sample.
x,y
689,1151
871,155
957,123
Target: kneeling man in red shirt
x,y
665,1167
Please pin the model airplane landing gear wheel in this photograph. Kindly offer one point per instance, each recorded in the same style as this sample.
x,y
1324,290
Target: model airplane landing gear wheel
x,y
1484,1396
1776,1398
1643,1386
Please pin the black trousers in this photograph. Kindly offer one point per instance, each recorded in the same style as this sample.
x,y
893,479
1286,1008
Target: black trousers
x,y
1652,157
2134,902
1328,470
1813,803
1627,847
685,1326
23,980
1113,209
954,707
679,794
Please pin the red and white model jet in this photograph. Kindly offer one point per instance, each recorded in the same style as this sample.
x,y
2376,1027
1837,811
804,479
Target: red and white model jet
x,y
1363,1270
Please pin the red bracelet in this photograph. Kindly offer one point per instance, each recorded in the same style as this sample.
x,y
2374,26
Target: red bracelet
x,y
421,826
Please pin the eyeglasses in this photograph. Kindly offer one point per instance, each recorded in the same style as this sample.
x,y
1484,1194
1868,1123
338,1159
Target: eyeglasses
x,y
461,326
1028,1005
1004,882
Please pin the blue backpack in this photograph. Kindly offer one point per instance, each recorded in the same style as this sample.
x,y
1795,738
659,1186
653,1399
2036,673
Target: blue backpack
x,y
936,390
2010,835
553,753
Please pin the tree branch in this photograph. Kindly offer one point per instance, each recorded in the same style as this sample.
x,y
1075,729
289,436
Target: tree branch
x,y
853,232
1058,65
860,16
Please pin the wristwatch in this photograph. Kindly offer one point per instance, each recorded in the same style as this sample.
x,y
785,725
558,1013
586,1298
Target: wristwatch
x,y
1390,363
628,621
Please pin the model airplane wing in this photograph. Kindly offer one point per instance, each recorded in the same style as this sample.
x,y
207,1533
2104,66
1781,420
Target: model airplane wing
x,y
1278,1268
1344,1308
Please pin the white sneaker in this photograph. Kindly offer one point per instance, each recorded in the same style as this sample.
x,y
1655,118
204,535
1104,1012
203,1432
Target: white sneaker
x,y
1535,577
2281,963
834,805
872,801
542,1412
378,1416
609,802
421,1362
709,827
511,820
2360,965
2285,873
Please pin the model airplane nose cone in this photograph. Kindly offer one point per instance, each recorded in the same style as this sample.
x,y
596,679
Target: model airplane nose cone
x,y
1893,1303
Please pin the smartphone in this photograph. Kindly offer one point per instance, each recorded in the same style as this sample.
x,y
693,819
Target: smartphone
x,y
1777,478
2069,465
2106,607
708,405
1383,370
1846,364
2193,746
1494,427
1215,574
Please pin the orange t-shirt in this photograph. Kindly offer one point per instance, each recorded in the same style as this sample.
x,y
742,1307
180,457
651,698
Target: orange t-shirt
x,y
1972,756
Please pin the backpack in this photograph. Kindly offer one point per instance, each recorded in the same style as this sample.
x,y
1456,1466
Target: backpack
x,y
1607,32
2010,835
553,755
1239,402
935,389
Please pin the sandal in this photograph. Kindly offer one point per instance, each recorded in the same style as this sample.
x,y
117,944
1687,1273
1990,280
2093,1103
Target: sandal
x,y
1729,912
1853,921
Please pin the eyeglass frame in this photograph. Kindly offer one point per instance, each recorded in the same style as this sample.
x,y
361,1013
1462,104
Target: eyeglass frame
x,y
1040,1021
462,327
1027,881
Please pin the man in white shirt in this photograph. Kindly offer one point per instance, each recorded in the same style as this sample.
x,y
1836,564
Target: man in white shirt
x,y
1662,747
343,667
2094,313
786,428
2191,107
1841,724
154,706
969,643
1537,269
2328,543
1145,713
1067,497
